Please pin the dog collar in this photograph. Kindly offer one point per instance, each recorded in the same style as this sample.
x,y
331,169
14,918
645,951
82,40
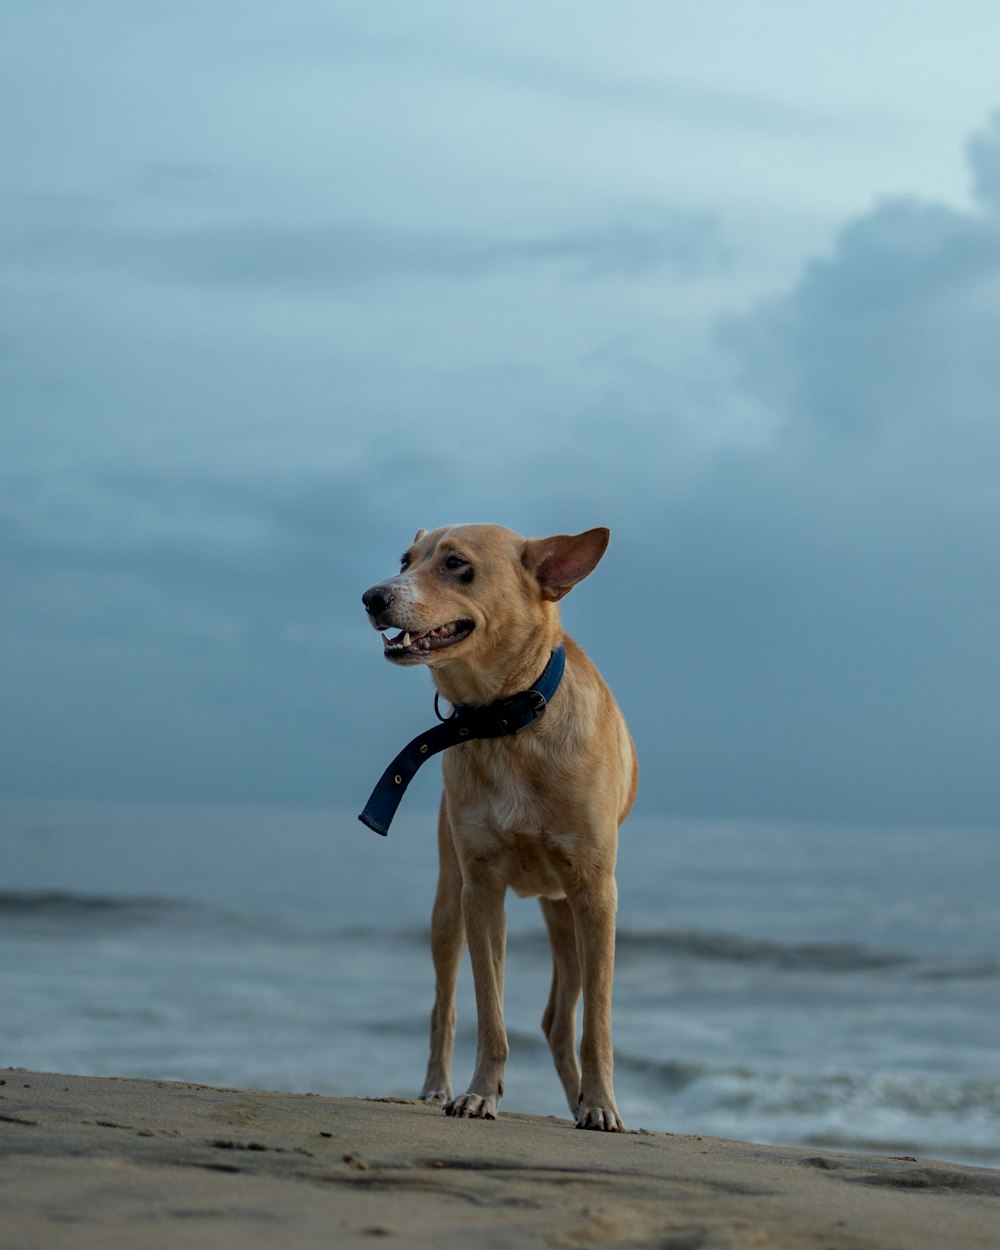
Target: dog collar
x,y
494,720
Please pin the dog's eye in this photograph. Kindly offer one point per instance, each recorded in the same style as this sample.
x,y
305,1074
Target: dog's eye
x,y
404,563
454,563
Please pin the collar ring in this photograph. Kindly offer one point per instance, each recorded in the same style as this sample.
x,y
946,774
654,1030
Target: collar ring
x,y
437,709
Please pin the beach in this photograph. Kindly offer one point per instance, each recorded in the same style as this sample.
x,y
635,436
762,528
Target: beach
x,y
105,1162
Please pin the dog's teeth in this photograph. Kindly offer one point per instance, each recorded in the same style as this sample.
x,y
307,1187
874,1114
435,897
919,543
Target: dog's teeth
x,y
385,639
406,640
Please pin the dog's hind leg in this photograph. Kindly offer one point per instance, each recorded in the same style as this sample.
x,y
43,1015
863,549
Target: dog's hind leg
x,y
559,1020
594,907
447,947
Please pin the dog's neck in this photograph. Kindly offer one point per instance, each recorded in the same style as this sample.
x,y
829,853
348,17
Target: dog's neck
x,y
472,685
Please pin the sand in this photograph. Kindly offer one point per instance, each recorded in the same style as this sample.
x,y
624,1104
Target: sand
x,y
99,1162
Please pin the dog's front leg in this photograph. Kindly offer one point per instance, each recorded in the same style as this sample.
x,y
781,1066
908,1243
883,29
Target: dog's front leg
x,y
593,909
447,946
486,931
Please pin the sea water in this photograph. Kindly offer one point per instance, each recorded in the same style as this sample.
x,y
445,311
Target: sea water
x,y
793,984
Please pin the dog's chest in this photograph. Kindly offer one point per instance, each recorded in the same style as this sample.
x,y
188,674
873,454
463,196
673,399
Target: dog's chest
x,y
534,867
533,864
502,816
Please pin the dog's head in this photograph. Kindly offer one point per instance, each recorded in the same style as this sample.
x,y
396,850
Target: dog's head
x,y
477,593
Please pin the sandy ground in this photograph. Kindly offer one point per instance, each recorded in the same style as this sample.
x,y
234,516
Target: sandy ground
x,y
98,1162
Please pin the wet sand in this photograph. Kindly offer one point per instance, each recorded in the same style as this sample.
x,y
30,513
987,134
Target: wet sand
x,y
92,1162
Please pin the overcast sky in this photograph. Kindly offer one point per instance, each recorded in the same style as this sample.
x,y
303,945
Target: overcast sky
x,y
281,284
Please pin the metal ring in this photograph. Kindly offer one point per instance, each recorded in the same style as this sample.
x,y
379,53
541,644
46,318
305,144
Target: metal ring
x,y
437,709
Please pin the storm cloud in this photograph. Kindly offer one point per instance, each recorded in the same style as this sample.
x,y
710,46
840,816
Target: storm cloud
x,y
59,235
243,361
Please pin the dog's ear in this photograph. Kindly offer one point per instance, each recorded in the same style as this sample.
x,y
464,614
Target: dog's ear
x,y
558,563
418,535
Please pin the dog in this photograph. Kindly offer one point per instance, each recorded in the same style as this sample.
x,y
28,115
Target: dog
x,y
537,811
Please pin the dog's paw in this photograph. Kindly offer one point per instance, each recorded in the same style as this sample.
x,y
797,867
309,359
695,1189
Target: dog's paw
x,y
473,1106
435,1095
603,1119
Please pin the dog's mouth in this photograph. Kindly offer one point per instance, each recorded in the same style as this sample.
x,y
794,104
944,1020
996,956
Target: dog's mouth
x,y
413,645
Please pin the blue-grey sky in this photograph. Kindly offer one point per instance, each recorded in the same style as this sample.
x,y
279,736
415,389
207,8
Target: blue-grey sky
x,y
280,284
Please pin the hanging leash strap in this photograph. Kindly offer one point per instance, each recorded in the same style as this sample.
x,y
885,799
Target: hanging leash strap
x,y
494,720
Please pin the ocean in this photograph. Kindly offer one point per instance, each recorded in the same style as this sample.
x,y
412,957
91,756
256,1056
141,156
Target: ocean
x,y
794,984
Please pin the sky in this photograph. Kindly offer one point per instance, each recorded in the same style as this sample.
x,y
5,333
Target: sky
x,y
281,284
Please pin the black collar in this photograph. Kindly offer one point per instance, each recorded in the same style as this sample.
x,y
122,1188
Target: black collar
x,y
494,720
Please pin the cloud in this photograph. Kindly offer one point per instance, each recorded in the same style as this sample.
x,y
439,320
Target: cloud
x,y
58,233
799,621
984,158
581,71
164,635
894,331
848,578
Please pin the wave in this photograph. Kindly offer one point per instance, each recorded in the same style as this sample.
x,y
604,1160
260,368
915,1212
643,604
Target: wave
x,y
670,945
52,908
830,957
794,1096
683,944
771,1092
891,1113
68,906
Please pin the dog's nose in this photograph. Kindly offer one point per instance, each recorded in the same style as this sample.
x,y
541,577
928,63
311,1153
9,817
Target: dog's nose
x,y
377,600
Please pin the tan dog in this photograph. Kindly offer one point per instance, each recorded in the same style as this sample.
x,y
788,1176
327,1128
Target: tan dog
x,y
537,811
